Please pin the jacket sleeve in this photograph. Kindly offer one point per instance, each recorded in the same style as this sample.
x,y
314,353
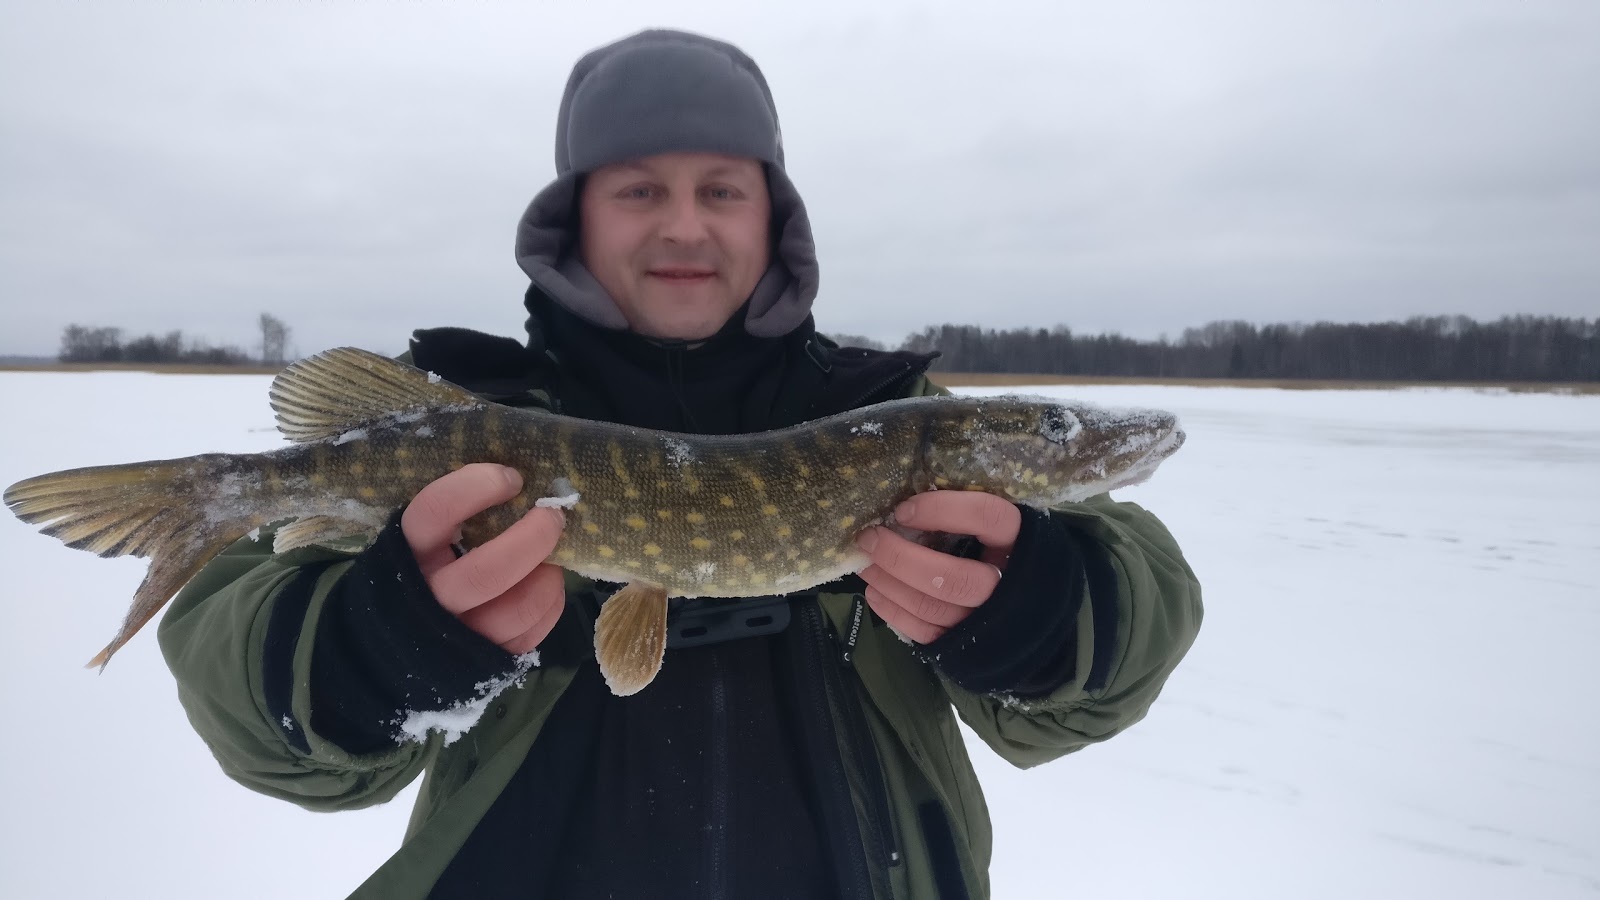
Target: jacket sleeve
x,y
214,637
1136,611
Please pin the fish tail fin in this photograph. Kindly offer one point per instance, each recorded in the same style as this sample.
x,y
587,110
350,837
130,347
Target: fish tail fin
x,y
154,509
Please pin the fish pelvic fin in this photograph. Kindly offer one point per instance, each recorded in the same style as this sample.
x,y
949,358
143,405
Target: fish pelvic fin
x,y
630,637
337,391
155,510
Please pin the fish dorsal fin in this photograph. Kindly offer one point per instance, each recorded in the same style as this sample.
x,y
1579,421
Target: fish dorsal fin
x,y
331,393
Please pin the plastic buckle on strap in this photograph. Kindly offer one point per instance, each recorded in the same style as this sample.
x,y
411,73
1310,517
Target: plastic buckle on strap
x,y
702,621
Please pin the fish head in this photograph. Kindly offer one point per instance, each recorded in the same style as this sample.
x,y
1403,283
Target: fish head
x,y
1041,452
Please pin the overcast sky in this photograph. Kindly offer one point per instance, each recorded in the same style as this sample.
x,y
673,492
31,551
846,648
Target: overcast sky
x,y
358,169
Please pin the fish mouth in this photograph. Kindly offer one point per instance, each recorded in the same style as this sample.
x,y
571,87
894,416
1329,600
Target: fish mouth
x,y
1168,438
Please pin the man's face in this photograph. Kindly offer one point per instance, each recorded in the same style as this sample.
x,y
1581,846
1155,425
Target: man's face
x,y
678,240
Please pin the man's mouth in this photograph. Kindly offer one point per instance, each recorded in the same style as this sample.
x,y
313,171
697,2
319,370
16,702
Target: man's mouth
x,y
683,276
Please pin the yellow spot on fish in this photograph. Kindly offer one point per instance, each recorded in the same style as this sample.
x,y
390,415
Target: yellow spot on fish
x,y
663,568
740,560
700,543
791,553
829,554
633,564
318,478
635,521
941,481
802,566
367,492
847,521
824,503
695,518
847,471
905,460
755,481
1042,480
973,487
565,555
605,551
725,500
736,535
591,528
769,510
402,453
757,578
807,543
803,470
883,484
769,556
357,469
731,583
662,484
407,472
631,493
1027,474
663,514
652,549
784,531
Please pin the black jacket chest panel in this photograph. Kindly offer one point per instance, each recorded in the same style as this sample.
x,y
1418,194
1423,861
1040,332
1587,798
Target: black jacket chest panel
x,y
678,790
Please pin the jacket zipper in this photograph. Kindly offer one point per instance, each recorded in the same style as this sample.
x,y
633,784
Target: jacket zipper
x,y
717,875
861,737
871,851
909,369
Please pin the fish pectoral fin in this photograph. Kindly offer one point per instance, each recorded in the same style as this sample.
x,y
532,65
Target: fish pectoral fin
x,y
318,530
630,637
331,393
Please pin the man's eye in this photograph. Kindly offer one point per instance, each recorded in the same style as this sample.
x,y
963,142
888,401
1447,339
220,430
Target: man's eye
x,y
638,192
721,193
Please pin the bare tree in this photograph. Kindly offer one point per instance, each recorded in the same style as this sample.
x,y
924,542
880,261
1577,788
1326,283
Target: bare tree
x,y
84,344
274,340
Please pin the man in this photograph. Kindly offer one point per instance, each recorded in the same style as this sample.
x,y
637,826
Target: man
x,y
811,754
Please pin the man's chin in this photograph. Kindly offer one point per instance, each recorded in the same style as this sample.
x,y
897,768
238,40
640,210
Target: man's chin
x,y
685,324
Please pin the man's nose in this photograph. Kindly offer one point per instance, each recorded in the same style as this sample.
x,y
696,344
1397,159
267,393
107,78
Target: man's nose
x,y
683,221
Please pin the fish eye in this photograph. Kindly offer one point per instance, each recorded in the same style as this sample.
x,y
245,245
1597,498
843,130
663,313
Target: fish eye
x,y
1058,425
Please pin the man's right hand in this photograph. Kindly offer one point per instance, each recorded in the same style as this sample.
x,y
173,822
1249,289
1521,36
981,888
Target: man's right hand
x,y
504,589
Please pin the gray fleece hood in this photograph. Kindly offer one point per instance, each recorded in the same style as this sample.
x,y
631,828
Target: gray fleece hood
x,y
666,92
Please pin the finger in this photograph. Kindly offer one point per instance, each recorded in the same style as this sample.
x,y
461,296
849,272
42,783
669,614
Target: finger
x,y
994,521
522,616
907,625
491,569
929,609
433,518
966,582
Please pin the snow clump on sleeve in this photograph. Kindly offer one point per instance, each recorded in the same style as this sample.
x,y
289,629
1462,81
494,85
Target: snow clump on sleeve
x,y
457,719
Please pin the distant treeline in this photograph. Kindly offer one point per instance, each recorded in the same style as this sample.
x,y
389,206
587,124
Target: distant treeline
x,y
1443,348
87,344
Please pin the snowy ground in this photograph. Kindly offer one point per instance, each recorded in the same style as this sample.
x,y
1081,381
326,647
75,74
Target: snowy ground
x,y
1393,694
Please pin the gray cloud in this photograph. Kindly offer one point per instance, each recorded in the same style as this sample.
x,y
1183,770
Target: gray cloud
x,y
358,170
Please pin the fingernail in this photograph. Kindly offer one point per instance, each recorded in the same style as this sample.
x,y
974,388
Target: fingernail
x,y
512,476
868,539
905,510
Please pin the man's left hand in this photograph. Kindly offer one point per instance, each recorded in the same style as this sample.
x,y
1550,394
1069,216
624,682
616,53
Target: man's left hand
x,y
921,592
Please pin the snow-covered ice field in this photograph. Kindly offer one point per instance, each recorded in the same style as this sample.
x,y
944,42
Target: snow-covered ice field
x,y
1394,694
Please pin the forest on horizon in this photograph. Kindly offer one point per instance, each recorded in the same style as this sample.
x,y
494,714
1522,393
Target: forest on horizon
x,y
1434,348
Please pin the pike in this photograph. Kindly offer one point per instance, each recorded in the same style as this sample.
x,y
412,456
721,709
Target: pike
x,y
664,514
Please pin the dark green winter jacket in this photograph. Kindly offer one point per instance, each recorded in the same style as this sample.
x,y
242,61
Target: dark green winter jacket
x,y
213,636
